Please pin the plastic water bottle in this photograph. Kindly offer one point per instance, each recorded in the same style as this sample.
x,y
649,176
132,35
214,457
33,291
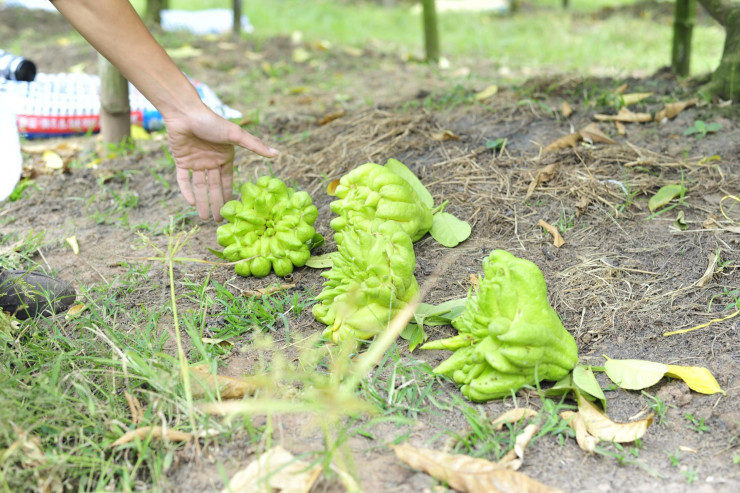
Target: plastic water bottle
x,y
12,163
14,67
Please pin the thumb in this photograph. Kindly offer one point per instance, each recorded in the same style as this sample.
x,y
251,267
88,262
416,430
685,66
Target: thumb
x,y
244,139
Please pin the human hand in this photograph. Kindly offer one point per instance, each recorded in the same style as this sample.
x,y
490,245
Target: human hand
x,y
203,143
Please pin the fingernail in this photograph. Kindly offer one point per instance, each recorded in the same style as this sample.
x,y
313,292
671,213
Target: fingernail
x,y
273,151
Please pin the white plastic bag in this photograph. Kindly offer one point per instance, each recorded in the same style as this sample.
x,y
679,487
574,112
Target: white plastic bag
x,y
11,163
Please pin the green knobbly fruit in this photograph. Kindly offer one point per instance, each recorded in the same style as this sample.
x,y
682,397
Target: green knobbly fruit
x,y
269,229
371,280
513,329
372,193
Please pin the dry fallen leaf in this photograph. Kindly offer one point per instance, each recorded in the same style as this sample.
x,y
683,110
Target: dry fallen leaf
x,y
570,140
52,160
621,89
467,474
699,379
582,205
330,117
277,470
593,133
258,293
486,93
75,311
586,441
565,109
543,176
635,97
473,280
672,110
709,273
72,242
134,405
626,116
513,416
621,129
204,383
445,135
599,425
557,240
154,432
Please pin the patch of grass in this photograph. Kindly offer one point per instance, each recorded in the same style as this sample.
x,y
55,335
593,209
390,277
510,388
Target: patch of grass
x,y
696,424
659,407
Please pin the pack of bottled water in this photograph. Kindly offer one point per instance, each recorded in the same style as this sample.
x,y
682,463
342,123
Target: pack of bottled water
x,y
54,105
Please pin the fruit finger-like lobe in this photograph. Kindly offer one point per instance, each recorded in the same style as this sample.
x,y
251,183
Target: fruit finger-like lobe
x,y
517,333
367,286
271,221
371,192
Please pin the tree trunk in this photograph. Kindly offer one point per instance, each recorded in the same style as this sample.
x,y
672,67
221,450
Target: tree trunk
x,y
154,10
237,28
683,26
115,111
726,79
431,36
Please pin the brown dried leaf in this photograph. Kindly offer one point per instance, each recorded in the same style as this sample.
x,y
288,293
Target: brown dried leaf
x,y
154,432
709,273
330,117
672,110
582,205
473,280
276,470
599,425
134,405
258,293
621,129
204,383
586,441
445,135
557,240
543,175
565,109
467,474
570,140
593,133
513,416
626,116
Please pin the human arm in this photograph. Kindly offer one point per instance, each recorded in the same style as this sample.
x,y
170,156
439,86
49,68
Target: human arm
x,y
201,142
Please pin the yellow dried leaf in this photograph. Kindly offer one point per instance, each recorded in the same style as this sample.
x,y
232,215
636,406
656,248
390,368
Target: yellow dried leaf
x,y
626,116
52,160
565,109
301,55
444,136
635,97
467,474
557,240
72,242
672,110
331,187
75,311
487,93
222,343
204,383
621,129
593,133
621,89
330,117
138,133
154,432
513,416
584,439
184,51
570,140
276,470
699,379
599,425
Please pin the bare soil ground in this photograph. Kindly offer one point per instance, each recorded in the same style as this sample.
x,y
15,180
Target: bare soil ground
x,y
618,283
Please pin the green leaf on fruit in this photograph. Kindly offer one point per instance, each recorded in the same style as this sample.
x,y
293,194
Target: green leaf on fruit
x,y
320,261
402,170
449,230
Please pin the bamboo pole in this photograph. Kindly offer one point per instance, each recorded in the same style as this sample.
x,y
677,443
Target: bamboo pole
x,y
115,111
